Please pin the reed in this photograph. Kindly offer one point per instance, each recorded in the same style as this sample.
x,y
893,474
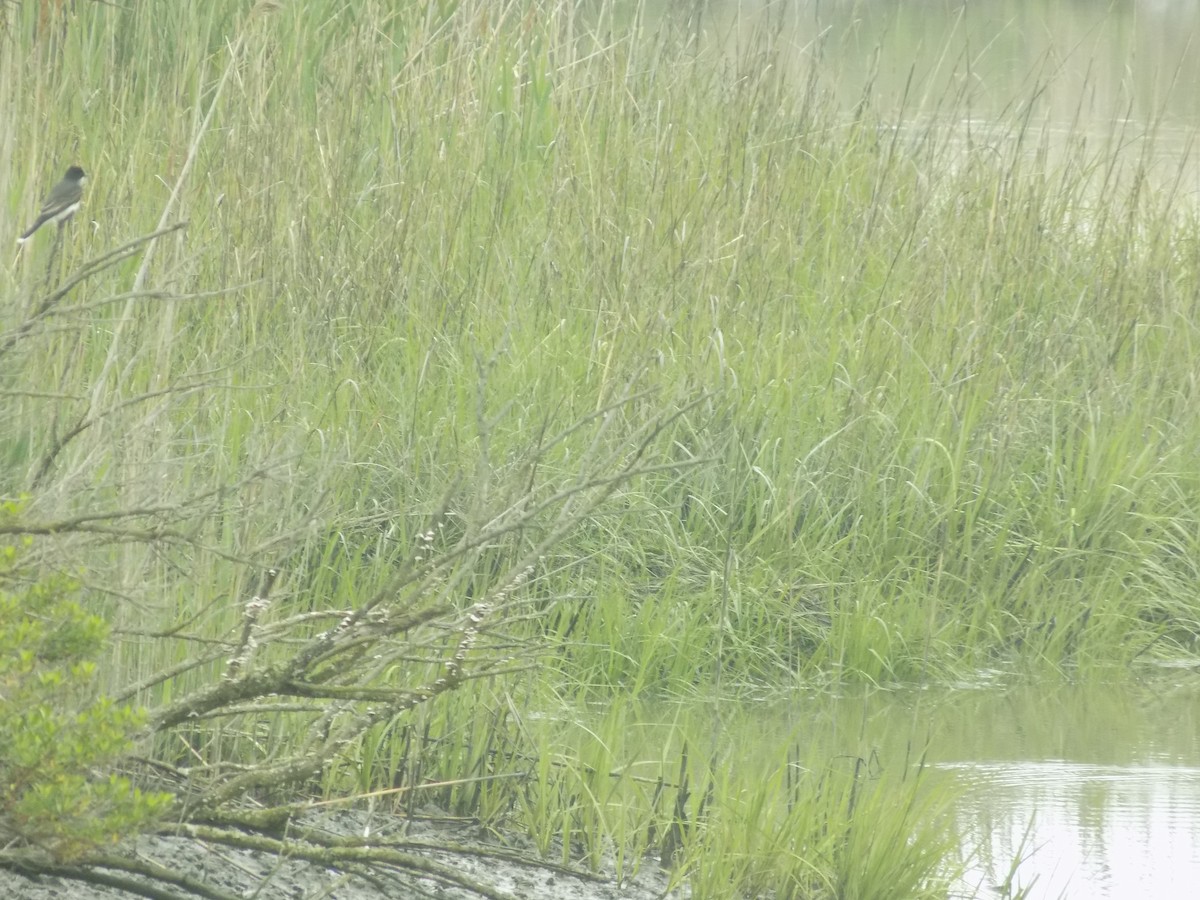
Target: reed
x,y
934,398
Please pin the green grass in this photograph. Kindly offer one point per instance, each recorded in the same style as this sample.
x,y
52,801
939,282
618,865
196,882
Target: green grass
x,y
946,388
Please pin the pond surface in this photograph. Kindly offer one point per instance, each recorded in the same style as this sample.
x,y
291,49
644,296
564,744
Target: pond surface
x,y
1080,792
1128,59
1121,74
1088,792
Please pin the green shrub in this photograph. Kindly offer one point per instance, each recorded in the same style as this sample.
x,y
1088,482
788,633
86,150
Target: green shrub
x,y
56,735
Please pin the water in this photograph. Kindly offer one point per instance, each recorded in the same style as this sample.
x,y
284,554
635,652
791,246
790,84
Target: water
x,y
1075,792
1085,792
1120,76
1134,59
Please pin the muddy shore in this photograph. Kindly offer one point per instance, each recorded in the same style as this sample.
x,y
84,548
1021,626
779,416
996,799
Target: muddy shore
x,y
265,876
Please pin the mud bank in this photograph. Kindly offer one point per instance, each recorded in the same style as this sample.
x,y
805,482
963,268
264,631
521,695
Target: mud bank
x,y
267,876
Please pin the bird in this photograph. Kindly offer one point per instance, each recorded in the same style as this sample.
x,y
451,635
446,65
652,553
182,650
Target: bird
x,y
61,202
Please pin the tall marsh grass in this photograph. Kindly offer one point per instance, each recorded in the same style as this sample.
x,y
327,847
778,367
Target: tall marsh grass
x,y
942,386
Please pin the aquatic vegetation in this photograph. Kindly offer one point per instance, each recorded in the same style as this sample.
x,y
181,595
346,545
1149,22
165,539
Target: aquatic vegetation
x,y
822,394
